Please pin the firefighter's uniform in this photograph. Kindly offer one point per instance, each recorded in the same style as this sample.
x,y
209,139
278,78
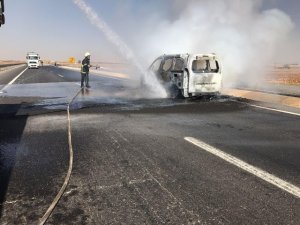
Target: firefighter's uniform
x,y
85,68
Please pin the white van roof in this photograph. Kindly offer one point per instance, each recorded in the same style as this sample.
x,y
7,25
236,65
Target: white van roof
x,y
208,55
32,53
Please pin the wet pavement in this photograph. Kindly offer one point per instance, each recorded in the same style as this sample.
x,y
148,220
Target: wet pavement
x,y
131,162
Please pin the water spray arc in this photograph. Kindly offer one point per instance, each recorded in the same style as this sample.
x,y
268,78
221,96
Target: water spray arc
x,y
112,36
115,39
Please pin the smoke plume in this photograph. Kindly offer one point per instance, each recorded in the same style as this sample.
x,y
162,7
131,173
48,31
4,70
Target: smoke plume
x,y
244,35
239,31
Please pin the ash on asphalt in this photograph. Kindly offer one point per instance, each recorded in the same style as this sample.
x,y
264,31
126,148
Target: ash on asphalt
x,y
122,98
106,105
165,105
41,98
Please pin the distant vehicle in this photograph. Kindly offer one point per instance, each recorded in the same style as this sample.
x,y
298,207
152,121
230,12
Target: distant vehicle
x,y
2,17
33,60
188,75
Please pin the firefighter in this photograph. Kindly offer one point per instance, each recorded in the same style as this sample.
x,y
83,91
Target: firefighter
x,y
85,68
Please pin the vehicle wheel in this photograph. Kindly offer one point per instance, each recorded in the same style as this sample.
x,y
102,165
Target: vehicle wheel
x,y
174,92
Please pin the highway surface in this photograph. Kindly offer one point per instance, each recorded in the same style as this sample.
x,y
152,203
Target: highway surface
x,y
138,160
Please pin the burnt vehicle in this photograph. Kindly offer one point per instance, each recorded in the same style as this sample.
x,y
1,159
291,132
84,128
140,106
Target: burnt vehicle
x,y
188,75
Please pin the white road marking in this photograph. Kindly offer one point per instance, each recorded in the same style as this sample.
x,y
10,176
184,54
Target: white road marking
x,y
60,75
78,84
12,81
284,185
276,110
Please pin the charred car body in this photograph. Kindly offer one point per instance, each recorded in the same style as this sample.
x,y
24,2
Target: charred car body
x,y
189,75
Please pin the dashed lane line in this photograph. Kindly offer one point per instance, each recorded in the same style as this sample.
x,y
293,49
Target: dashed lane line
x,y
60,75
282,184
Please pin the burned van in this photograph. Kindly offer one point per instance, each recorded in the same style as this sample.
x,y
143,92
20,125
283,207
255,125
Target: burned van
x,y
189,75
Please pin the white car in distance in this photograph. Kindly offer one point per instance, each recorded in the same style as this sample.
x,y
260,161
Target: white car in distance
x,y
33,60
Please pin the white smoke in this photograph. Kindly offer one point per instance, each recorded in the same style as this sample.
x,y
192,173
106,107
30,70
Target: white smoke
x,y
239,31
156,89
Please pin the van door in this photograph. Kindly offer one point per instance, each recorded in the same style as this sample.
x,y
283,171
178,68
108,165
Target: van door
x,y
156,67
167,65
205,75
178,73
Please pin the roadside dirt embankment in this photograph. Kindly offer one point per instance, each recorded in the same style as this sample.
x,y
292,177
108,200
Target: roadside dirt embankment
x,y
10,63
281,86
286,74
4,66
265,97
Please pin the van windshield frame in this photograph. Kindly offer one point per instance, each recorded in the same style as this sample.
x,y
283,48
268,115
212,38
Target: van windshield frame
x,y
33,57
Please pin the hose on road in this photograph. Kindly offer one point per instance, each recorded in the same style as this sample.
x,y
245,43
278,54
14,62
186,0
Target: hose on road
x,y
67,178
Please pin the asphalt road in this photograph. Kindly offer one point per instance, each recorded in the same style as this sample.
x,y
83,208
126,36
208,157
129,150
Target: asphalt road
x,y
132,163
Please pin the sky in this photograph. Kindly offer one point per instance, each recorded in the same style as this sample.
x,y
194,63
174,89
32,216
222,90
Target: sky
x,y
58,29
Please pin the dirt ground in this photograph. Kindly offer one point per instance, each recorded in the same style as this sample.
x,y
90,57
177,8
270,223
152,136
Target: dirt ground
x,y
285,75
8,62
